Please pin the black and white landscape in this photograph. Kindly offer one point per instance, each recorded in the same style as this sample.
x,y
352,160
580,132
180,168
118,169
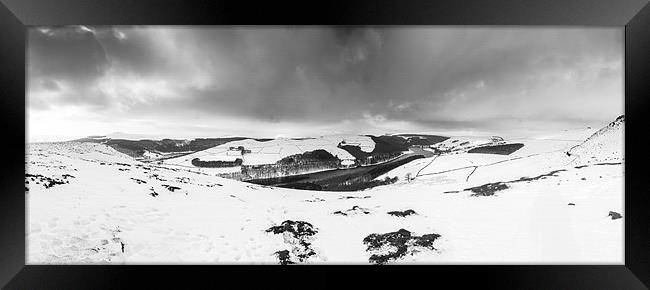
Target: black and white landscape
x,y
284,145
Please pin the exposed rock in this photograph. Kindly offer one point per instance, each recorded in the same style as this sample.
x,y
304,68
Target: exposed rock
x,y
171,188
138,181
542,176
284,258
615,215
297,234
47,182
354,210
405,213
487,189
314,200
355,197
299,229
395,245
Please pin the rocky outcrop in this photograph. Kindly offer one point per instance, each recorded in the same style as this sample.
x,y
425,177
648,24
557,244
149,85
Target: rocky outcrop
x,y
395,245
487,189
355,210
298,235
614,215
405,213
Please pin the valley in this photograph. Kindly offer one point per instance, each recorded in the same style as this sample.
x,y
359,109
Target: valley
x,y
556,199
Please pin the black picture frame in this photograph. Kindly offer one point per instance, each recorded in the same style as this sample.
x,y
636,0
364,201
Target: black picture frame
x,y
633,15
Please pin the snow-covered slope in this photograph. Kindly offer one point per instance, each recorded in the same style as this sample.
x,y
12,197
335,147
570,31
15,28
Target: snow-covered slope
x,y
95,205
606,145
77,150
538,155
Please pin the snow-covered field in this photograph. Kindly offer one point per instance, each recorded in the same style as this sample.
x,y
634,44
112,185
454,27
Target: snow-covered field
x,y
96,205
462,143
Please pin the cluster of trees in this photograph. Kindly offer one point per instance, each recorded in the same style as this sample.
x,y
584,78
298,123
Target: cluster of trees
x,y
235,176
505,149
218,163
287,169
307,162
360,184
378,158
318,155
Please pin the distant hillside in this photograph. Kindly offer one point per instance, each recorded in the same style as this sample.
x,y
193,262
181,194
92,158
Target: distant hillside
x,y
139,148
460,144
422,139
392,145
347,150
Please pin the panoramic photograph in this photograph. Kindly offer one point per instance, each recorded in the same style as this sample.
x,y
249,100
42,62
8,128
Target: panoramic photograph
x,y
369,145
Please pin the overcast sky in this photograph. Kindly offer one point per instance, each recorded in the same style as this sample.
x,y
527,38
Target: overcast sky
x,y
299,81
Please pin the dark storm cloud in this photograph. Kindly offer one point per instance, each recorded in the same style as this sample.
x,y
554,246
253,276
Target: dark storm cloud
x,y
279,73
132,50
430,66
65,53
447,77
69,57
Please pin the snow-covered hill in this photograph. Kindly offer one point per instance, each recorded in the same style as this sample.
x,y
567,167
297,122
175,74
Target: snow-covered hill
x,y
88,203
606,145
268,152
463,143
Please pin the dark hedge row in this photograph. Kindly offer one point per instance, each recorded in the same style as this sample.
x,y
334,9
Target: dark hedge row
x,y
216,164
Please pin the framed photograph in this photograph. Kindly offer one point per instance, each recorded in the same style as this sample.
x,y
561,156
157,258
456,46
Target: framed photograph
x,y
192,141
